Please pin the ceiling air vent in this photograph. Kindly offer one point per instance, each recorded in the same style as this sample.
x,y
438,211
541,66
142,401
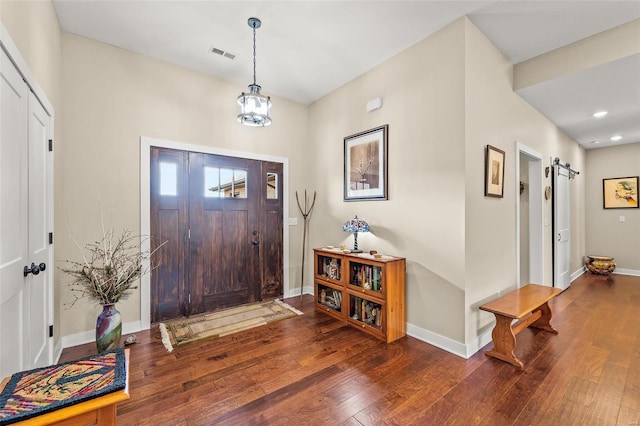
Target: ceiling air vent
x,y
221,52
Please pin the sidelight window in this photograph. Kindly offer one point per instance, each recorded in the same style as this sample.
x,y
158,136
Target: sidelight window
x,y
168,178
272,186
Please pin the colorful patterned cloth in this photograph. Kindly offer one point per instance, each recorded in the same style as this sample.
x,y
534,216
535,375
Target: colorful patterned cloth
x,y
32,393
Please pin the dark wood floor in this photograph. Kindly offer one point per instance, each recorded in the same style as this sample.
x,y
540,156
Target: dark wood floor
x,y
309,370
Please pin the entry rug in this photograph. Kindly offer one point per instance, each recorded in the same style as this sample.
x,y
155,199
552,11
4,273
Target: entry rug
x,y
35,392
225,322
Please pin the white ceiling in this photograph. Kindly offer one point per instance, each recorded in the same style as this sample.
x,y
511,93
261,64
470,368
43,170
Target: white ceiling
x,y
306,49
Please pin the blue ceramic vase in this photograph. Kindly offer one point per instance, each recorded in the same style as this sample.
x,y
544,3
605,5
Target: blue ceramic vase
x,y
108,328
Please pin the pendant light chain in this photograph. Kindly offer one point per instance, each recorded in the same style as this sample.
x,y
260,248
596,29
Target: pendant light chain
x,y
254,54
254,107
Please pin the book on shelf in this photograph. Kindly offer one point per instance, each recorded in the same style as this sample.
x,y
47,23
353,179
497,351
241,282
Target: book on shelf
x,y
366,276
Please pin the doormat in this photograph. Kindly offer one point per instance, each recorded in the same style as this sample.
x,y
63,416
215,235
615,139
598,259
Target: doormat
x,y
32,393
222,323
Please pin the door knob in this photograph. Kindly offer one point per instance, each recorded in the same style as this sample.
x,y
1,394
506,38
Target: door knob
x,y
255,242
34,269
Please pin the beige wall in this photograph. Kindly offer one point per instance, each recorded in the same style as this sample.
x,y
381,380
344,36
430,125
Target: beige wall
x,y
423,220
437,216
459,244
112,98
33,27
497,116
606,235
605,47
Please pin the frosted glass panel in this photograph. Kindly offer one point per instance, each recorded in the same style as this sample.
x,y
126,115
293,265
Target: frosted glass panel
x,y
168,179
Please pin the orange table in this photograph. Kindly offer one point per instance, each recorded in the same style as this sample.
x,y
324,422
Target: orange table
x,y
100,410
529,305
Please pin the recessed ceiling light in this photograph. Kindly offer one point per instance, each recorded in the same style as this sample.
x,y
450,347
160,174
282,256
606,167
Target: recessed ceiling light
x,y
616,138
600,114
595,142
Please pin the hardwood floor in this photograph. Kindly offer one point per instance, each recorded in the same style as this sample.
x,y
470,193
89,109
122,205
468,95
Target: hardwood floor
x,y
310,370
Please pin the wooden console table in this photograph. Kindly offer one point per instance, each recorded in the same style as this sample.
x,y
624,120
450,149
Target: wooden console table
x,y
100,411
529,305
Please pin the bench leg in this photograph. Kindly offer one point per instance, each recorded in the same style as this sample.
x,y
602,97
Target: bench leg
x,y
543,322
504,341
106,415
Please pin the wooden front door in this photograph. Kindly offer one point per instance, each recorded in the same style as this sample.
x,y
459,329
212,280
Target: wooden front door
x,y
225,236
222,219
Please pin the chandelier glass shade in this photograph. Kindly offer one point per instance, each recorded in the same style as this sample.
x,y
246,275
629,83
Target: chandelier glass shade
x,y
254,107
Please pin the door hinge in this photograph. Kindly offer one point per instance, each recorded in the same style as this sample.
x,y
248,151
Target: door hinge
x,y
50,331
189,298
50,237
50,145
189,233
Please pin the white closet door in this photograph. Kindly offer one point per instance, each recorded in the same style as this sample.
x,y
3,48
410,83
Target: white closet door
x,y
14,95
36,285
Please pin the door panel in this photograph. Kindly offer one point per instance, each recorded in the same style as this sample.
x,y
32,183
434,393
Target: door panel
x,y
561,228
271,253
37,309
168,224
223,220
14,104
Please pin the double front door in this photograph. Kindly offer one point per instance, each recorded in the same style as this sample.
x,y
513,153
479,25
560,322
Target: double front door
x,y
220,219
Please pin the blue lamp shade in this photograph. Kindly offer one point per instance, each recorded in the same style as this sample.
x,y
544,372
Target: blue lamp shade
x,y
355,225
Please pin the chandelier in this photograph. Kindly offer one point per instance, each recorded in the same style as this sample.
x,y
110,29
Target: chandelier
x,y
254,106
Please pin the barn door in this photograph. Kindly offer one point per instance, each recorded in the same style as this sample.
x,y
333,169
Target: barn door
x,y
561,227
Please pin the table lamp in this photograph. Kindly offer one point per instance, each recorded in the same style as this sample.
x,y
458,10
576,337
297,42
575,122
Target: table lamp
x,y
355,225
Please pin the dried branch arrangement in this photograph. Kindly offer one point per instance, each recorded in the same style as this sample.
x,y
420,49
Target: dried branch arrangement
x,y
109,271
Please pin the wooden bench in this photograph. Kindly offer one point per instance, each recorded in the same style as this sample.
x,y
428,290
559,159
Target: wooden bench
x,y
529,305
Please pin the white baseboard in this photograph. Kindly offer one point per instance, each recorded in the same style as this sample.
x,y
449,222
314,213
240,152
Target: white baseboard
x,y
449,345
296,291
577,273
57,352
620,271
437,340
90,336
478,343
627,272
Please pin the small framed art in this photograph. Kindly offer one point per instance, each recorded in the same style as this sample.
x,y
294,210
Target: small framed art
x,y
620,193
365,165
494,172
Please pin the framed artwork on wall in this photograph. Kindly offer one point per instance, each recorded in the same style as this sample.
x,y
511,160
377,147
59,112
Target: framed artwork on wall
x,y
494,172
365,165
620,193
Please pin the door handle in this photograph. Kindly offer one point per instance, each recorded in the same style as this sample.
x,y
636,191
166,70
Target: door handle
x,y
559,237
255,242
34,269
